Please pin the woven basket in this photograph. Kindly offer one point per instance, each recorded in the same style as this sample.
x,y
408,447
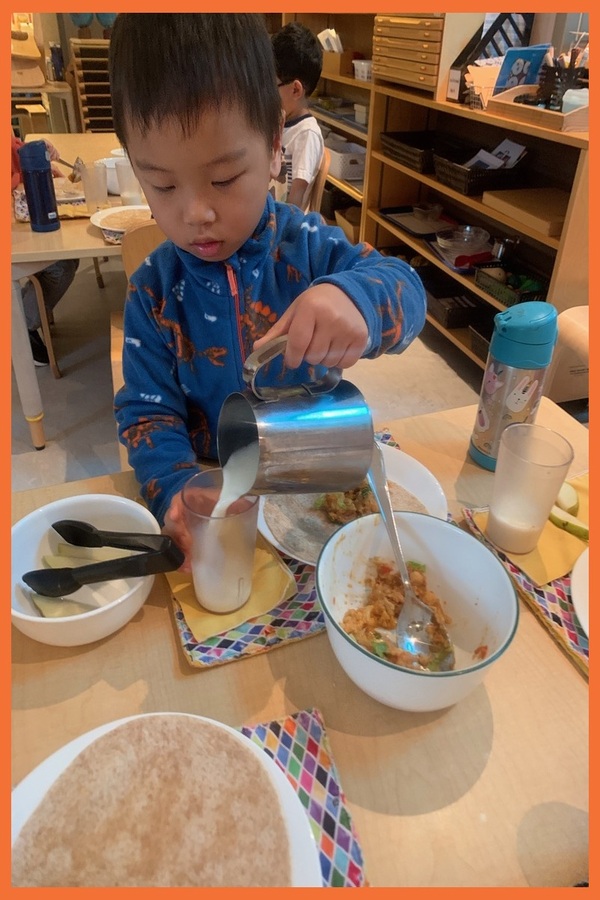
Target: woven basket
x,y
504,292
474,180
413,149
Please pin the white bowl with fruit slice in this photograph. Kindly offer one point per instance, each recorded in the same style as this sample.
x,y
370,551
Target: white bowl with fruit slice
x,y
95,610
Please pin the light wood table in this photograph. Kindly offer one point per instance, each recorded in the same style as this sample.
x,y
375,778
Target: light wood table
x,y
32,251
491,792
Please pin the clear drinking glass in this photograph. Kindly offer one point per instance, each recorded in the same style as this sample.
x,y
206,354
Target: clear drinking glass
x,y
533,462
223,545
95,188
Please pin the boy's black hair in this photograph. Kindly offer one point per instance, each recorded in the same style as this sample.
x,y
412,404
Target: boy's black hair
x,y
175,66
298,55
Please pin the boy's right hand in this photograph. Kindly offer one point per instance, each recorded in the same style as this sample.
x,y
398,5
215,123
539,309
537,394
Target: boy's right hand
x,y
175,526
323,326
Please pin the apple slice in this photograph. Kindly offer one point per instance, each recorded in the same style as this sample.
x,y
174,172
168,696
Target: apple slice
x,y
568,499
565,520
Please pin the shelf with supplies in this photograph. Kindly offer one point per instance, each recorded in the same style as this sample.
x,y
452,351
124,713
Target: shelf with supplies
x,y
340,123
423,249
554,159
349,80
473,203
353,189
555,162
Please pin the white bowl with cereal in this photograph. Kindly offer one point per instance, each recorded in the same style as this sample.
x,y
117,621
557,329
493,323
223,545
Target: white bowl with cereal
x,y
114,222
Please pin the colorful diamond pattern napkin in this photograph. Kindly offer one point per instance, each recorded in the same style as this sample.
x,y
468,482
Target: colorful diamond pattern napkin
x,y
551,603
299,746
293,620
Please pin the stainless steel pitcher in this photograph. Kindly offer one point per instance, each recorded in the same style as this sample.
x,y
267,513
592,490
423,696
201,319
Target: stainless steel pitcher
x,y
308,438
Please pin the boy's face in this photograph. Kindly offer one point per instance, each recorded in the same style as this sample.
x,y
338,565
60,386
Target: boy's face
x,y
207,191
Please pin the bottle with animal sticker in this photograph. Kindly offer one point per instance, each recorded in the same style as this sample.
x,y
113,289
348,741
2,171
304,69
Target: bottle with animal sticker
x,y
520,353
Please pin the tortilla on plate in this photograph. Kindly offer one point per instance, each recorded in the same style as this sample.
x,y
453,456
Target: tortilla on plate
x,y
301,529
164,800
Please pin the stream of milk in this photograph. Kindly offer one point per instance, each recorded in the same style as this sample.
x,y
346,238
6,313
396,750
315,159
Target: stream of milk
x,y
239,473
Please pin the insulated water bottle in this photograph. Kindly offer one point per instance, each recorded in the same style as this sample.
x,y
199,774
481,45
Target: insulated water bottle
x,y
39,186
520,352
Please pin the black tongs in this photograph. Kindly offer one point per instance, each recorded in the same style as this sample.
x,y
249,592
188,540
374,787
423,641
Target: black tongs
x,y
161,555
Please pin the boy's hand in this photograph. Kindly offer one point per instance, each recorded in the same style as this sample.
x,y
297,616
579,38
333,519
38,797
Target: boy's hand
x,y
176,527
323,326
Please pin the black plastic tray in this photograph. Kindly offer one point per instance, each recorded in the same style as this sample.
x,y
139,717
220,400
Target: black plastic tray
x,y
407,225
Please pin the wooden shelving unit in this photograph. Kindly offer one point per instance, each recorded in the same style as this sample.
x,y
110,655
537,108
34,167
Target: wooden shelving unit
x,y
554,159
92,87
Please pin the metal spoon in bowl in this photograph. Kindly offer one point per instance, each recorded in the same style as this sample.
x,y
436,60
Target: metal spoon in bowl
x,y
412,632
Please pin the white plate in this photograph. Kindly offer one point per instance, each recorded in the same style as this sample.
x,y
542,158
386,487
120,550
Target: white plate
x,y
306,868
580,589
98,217
406,471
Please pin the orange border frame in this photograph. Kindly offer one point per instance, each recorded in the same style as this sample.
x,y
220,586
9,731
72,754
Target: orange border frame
x,y
5,399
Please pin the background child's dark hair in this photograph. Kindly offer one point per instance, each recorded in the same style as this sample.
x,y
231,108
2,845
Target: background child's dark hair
x,y
298,55
175,66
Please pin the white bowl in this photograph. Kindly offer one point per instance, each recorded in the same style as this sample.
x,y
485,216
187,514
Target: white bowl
x,y
473,585
33,537
111,175
113,234
118,151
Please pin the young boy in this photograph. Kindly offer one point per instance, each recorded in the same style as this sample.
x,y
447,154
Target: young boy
x,y
195,102
298,62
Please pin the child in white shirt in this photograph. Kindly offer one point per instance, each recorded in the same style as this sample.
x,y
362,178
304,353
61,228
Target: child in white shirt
x,y
298,62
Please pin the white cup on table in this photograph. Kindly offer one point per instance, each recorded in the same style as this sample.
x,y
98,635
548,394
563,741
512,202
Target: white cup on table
x,y
223,545
533,462
129,186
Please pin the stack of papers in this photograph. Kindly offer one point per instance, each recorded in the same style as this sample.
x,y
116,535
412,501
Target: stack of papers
x,y
330,41
481,78
506,155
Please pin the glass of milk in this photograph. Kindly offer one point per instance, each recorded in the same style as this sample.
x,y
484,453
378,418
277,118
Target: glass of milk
x,y
222,520
533,462
129,187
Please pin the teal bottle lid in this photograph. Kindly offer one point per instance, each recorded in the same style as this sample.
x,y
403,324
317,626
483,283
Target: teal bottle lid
x,y
525,334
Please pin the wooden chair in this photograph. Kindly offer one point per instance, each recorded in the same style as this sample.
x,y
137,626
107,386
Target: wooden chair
x,y
47,318
316,194
137,243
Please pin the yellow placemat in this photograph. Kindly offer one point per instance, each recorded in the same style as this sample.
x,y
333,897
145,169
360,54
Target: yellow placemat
x,y
272,584
557,550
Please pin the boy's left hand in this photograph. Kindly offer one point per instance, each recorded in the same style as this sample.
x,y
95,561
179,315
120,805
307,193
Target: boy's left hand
x,y
323,327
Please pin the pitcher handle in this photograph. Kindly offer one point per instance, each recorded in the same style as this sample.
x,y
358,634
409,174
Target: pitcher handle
x,y
259,358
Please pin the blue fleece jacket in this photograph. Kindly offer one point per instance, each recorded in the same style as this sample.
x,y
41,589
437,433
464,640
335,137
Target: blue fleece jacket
x,y
189,325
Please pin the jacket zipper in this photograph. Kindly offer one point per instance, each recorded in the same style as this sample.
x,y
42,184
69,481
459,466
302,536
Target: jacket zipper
x,y
233,287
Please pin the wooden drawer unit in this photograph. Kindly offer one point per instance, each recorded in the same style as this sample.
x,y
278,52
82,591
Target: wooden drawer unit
x,y
406,49
418,51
